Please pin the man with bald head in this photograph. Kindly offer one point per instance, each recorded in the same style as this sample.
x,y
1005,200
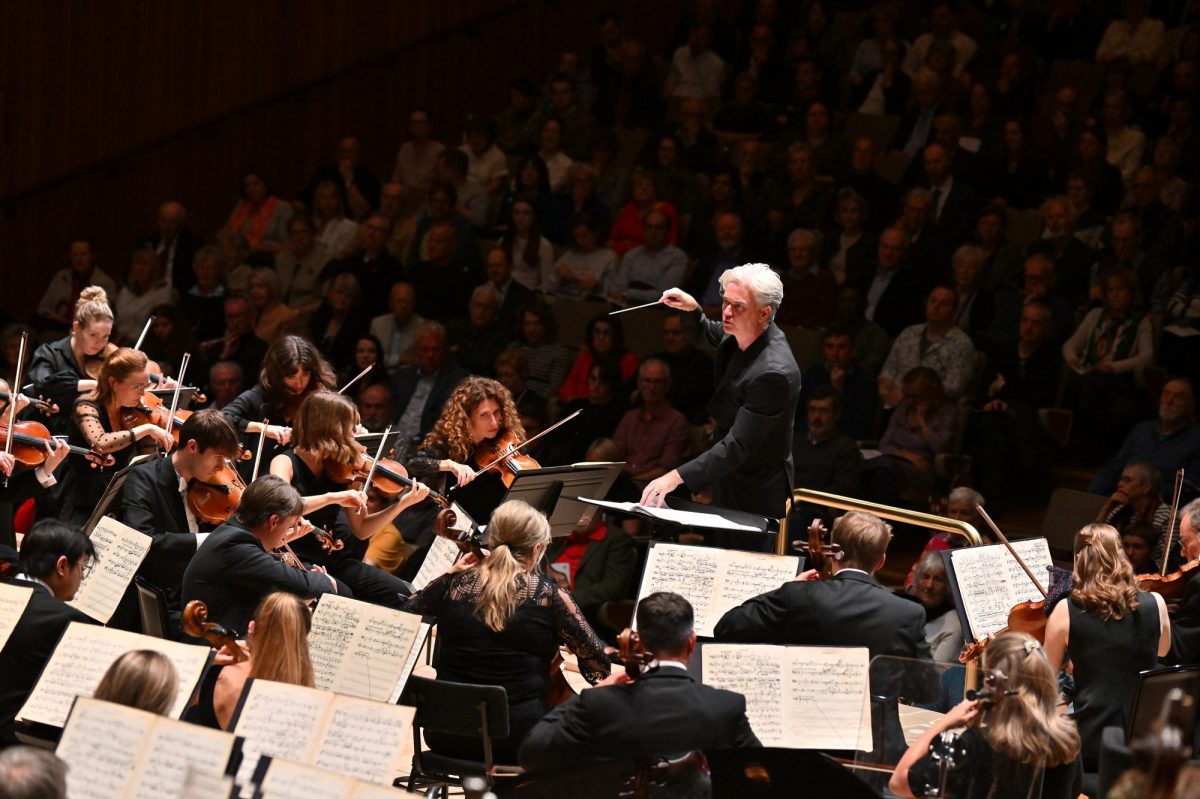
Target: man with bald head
x,y
358,185
175,245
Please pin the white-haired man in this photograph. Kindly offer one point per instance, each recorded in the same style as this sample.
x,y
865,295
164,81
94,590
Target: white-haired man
x,y
758,384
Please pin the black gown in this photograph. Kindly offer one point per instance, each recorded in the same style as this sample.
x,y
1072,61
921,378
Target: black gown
x,y
55,375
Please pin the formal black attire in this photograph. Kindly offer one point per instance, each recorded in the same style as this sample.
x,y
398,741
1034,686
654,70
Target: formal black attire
x,y
833,464
596,421
55,375
1185,628
375,278
80,486
980,768
1108,656
339,348
516,658
754,407
691,383
232,573
900,304
253,405
151,503
29,648
665,712
404,385
857,398
185,246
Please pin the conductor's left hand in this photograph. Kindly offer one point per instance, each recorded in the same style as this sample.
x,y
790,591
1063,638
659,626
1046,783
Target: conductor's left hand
x,y
655,493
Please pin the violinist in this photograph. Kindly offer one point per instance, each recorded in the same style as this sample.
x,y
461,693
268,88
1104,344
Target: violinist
x,y
155,499
324,447
24,483
848,609
62,370
97,425
1110,631
663,712
1021,734
234,569
501,622
1185,625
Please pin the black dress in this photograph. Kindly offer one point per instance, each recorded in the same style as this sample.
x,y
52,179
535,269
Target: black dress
x,y
1108,656
55,374
253,405
517,658
478,498
979,770
81,486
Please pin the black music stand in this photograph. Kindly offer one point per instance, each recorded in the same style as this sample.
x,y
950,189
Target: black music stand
x,y
115,484
544,489
371,442
186,395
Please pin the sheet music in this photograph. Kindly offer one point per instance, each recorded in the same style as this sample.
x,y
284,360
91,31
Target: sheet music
x,y
797,697
440,557
13,599
365,739
360,649
713,580
278,720
100,746
990,581
414,654
85,653
687,518
120,550
175,749
200,785
289,780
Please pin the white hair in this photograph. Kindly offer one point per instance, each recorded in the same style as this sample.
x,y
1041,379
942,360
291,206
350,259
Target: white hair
x,y
761,280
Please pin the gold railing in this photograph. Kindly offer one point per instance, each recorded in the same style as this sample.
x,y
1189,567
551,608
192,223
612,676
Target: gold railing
x,y
928,520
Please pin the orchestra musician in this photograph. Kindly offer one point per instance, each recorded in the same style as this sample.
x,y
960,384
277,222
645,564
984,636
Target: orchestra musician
x,y
23,483
1023,734
323,443
141,678
62,370
97,425
233,569
758,384
53,560
501,622
664,712
1185,624
1111,631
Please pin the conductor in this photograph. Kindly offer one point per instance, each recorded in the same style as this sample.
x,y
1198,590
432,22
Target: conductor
x,y
757,386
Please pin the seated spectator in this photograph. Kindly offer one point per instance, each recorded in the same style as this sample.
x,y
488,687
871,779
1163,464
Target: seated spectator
x,y
826,459
1126,144
953,208
579,126
58,302
472,202
260,218
582,197
300,264
374,265
848,253
943,629
143,679
705,281
596,564
696,71
1018,177
169,338
1161,233
548,360
512,371
1138,39
204,303
272,318
937,344
1138,499
486,165
796,201
869,341
809,286
961,505
334,232
927,256
921,428
477,340
225,381
583,269
1090,222
881,196
531,183
174,245
891,292
517,126
744,113
887,91
1073,260
635,101
1179,352
1038,284
651,268
337,324
1138,541
653,435
28,773
419,391
973,313
602,409
676,184
358,184
853,386
944,29
397,329
1105,180
550,151
1127,252
604,340
145,287
375,407
699,151
239,344
627,231
513,295
443,281
368,362
441,206
416,161
691,370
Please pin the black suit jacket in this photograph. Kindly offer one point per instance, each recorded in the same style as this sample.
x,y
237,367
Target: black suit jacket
x,y
901,303
151,504
404,384
231,573
1185,628
186,245
850,609
29,648
665,712
754,407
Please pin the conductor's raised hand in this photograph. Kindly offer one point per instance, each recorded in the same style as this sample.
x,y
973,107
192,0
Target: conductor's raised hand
x,y
680,299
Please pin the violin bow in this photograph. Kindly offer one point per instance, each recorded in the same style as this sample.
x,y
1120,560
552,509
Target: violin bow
x,y
145,330
262,436
1020,561
1174,515
378,454
356,378
187,358
12,399
527,442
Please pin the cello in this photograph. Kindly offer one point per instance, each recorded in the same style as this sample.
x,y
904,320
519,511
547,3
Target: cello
x,y
821,555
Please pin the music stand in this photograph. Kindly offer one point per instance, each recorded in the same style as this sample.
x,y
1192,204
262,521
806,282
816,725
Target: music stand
x,y
186,395
544,489
371,442
111,491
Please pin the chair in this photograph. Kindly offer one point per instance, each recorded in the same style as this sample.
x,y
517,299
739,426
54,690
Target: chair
x,y
152,607
475,711
1154,685
1069,510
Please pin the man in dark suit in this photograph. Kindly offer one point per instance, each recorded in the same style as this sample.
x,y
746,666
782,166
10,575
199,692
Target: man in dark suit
x,y
419,391
233,569
848,609
153,500
894,296
754,405
1185,621
175,245
664,712
513,296
955,204
53,560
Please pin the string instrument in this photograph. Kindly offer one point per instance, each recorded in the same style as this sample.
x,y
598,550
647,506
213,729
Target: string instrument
x,y
1170,586
196,624
12,406
43,405
948,752
995,688
821,555
633,655
388,476
214,500
503,454
152,410
29,441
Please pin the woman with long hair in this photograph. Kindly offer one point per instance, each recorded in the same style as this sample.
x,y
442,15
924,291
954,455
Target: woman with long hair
x,y
536,332
501,622
1110,631
62,370
531,253
1012,739
143,679
323,448
339,321
604,340
272,316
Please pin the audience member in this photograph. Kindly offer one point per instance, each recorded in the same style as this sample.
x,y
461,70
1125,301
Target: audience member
x,y
653,435
333,230
627,231
869,340
937,344
416,161
604,340
358,185
419,391
58,301
1170,442
444,280
1073,260
943,630
548,360
514,295
375,407
691,370
853,386
272,318
374,266
477,340
486,166
225,381
596,564
174,245
921,428
809,286
558,163
472,200
1138,499
646,271
145,288
530,254
892,294
300,264
204,303
826,458
396,330
730,251
239,344
259,220
1038,284
586,265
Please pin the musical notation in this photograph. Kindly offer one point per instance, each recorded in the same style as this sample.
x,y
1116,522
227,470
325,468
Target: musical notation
x,y
120,550
991,582
13,599
362,650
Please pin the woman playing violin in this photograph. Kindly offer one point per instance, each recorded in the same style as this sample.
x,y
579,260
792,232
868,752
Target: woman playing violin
x,y
24,483
324,446
96,425
64,369
477,417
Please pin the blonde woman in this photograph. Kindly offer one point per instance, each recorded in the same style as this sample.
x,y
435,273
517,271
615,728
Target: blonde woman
x,y
62,370
500,622
1021,734
278,644
1110,631
142,679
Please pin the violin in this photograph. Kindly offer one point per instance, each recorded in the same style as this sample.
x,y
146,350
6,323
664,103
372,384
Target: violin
x,y
503,456
387,475
196,624
821,555
214,500
43,405
29,440
152,410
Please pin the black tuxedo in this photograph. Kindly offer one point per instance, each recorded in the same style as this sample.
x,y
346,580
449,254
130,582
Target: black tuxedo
x,y
151,504
186,245
231,573
850,609
29,648
665,712
404,385
959,214
754,407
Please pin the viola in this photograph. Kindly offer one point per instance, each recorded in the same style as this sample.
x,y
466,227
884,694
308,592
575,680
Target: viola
x,y
1170,586
196,624
503,456
821,555
153,410
29,440
389,476
43,405
214,500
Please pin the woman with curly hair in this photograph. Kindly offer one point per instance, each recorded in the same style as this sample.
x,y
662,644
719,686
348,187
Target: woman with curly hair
x,y
1022,734
478,413
1111,632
